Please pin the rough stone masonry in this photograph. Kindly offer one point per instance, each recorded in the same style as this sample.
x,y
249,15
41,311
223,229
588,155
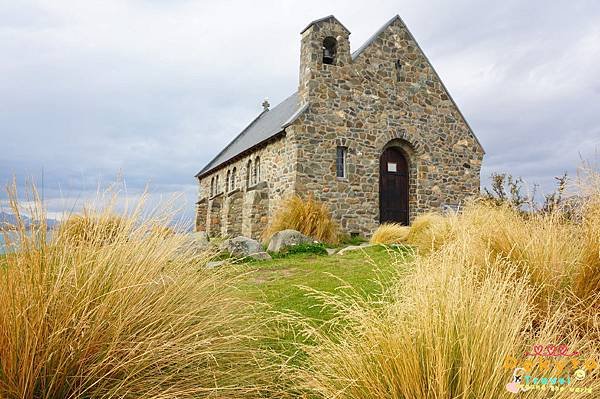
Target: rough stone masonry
x,y
374,134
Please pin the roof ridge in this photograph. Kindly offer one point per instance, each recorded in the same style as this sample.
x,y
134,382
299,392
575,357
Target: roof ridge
x,y
316,21
373,37
240,134
271,122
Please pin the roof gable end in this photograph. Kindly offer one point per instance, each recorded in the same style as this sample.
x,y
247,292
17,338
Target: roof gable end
x,y
370,40
397,19
327,18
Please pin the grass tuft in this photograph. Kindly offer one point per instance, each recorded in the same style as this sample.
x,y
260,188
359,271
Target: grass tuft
x,y
136,316
307,216
390,233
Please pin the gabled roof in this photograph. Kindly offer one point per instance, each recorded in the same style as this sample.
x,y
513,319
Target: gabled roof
x,y
316,21
374,37
266,126
270,124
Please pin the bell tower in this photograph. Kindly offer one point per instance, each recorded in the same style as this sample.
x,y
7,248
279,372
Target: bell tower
x,y
325,46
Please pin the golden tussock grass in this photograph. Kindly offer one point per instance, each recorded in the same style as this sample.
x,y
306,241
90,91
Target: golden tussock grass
x,y
487,283
390,233
444,331
92,227
428,232
308,216
136,316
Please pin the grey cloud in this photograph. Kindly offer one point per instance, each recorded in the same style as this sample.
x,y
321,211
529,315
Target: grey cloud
x,y
153,90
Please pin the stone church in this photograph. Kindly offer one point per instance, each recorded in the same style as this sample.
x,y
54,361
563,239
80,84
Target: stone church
x,y
372,133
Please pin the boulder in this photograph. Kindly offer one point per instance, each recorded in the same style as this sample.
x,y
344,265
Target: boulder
x,y
215,264
261,256
241,247
199,238
194,244
354,248
287,238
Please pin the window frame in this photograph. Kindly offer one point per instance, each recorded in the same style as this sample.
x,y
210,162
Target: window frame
x,y
341,157
249,173
233,179
257,170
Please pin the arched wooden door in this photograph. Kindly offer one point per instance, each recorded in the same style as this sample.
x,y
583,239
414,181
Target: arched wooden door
x,y
393,187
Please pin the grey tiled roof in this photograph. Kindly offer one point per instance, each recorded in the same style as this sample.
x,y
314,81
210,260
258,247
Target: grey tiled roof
x,y
266,126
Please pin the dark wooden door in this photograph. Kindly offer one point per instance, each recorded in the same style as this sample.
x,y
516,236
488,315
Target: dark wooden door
x,y
393,187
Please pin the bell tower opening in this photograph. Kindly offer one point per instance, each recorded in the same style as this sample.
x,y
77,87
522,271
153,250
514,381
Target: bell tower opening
x,y
329,50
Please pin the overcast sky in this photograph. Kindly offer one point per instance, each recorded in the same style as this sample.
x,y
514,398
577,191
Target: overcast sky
x,y
152,90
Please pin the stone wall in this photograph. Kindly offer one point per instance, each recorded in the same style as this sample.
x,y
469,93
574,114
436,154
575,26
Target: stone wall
x,y
255,211
214,217
275,180
368,104
387,95
201,214
232,213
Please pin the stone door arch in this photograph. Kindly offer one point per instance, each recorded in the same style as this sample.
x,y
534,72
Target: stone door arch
x,y
394,186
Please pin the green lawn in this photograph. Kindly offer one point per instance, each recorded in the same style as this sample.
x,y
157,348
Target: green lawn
x,y
279,282
282,284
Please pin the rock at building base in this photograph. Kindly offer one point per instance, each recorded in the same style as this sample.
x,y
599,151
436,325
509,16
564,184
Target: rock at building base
x,y
215,264
354,248
240,247
261,256
287,238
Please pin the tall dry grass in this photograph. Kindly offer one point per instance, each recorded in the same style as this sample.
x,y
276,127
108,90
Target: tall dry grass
x,y
390,233
129,316
443,332
307,216
488,283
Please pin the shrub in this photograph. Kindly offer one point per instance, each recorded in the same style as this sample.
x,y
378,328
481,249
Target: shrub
x,y
308,216
587,283
138,317
390,233
312,248
347,239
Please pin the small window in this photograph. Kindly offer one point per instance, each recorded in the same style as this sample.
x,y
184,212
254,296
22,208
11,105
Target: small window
x,y
249,173
233,178
257,170
392,167
217,187
227,180
399,74
329,50
340,163
212,186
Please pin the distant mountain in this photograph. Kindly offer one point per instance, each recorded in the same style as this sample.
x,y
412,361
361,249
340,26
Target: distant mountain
x,y
8,219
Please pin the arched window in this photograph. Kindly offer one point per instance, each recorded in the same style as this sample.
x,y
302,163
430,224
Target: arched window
x,y
212,186
233,178
227,179
217,185
329,50
249,173
257,170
